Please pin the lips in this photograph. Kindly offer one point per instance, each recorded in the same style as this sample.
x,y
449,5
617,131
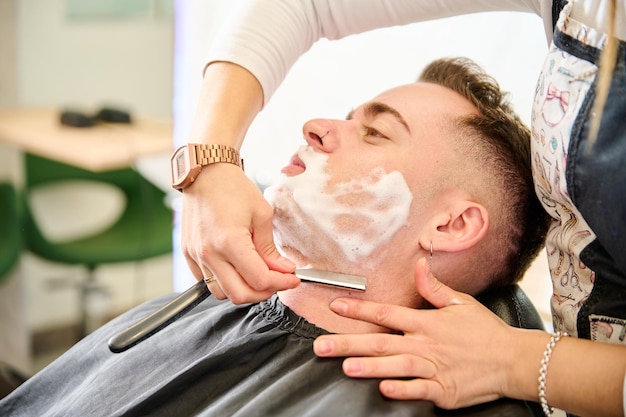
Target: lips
x,y
295,167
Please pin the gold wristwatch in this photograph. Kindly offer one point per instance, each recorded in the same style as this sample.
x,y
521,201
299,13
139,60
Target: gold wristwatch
x,y
188,160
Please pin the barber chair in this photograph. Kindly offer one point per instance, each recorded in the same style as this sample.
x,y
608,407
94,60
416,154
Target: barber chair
x,y
512,305
143,230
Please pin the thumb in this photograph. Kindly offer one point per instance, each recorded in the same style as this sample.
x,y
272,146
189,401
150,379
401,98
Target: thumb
x,y
263,240
433,290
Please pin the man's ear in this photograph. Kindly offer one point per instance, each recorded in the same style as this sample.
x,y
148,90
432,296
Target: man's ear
x,y
459,227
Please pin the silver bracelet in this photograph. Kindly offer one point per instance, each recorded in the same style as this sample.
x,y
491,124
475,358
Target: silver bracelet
x,y
543,372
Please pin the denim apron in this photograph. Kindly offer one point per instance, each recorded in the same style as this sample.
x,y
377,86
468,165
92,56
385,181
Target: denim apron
x,y
584,192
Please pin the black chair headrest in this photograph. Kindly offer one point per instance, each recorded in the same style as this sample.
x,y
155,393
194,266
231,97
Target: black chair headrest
x,y
513,306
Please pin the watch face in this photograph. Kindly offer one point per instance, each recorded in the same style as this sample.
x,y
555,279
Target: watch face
x,y
182,163
180,167
187,161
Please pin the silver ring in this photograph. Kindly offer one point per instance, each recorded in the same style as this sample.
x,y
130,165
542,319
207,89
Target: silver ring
x,y
210,279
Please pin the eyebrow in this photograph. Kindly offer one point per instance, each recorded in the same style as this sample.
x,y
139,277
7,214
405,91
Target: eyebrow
x,y
377,108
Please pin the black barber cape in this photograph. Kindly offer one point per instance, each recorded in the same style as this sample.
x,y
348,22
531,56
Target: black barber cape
x,y
218,360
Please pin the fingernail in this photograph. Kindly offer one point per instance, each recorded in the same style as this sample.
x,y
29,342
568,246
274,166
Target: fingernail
x,y
323,347
454,302
339,306
352,366
387,388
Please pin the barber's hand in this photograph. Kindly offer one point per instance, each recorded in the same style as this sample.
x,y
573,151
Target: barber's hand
x,y
227,233
453,356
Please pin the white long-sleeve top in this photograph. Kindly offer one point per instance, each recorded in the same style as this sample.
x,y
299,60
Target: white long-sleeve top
x,y
267,37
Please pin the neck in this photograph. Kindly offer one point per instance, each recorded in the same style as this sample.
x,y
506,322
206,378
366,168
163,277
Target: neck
x,y
312,301
390,280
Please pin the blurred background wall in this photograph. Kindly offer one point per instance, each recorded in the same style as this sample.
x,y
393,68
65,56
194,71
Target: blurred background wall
x,y
67,55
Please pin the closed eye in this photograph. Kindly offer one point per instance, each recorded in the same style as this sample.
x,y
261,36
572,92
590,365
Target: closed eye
x,y
371,132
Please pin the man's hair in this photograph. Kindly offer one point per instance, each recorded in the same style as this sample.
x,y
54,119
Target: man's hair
x,y
497,145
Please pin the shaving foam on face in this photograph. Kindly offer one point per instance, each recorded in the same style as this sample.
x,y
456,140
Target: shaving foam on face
x,y
357,216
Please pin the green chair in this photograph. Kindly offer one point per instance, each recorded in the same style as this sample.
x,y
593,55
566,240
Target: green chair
x,y
10,234
143,230
10,251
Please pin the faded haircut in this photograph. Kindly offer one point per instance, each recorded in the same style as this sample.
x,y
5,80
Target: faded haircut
x,y
499,142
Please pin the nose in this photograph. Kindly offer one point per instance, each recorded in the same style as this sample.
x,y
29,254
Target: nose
x,y
321,134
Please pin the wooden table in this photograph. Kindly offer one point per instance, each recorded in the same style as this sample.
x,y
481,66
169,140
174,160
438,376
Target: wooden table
x,y
99,148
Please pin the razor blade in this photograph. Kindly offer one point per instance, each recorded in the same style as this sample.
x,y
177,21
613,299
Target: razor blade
x,y
335,279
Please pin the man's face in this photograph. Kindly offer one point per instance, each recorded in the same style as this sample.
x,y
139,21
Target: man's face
x,y
399,130
362,180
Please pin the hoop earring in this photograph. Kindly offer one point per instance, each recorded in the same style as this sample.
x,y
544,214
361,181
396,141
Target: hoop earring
x,y
430,258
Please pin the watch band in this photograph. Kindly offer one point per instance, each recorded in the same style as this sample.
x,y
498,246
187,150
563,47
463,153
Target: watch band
x,y
211,154
188,160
